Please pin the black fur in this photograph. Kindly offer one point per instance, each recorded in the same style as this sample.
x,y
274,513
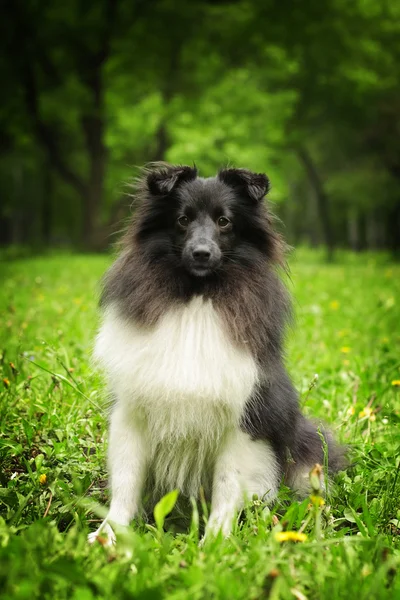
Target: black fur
x,y
151,275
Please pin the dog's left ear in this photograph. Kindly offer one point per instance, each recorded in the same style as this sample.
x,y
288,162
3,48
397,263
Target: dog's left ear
x,y
254,185
162,180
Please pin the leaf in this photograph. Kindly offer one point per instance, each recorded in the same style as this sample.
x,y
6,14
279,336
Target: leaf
x,y
348,515
395,523
353,517
164,507
367,517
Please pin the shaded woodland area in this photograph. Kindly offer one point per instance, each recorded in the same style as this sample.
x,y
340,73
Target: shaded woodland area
x,y
308,92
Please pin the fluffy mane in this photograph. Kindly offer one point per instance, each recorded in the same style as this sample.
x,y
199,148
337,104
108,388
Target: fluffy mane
x,y
247,291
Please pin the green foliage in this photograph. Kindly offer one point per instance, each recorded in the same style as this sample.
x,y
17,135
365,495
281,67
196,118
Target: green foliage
x,y
164,507
223,138
52,449
92,93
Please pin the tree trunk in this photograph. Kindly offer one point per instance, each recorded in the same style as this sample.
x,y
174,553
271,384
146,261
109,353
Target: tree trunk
x,y
162,143
372,231
93,129
47,205
393,229
168,89
321,198
393,223
353,232
90,60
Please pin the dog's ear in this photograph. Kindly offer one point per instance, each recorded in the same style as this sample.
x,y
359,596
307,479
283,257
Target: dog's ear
x,y
162,180
254,185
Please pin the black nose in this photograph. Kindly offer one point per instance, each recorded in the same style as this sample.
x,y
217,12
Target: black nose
x,y
201,253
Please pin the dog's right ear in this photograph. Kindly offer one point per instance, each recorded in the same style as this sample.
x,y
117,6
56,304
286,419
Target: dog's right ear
x,y
162,180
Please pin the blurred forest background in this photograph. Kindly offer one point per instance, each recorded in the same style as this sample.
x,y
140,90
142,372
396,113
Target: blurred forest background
x,y
308,92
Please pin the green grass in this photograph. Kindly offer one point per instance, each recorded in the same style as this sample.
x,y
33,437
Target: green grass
x,y
347,331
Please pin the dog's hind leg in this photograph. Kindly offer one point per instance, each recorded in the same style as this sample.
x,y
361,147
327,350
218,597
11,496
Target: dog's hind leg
x,y
127,460
244,467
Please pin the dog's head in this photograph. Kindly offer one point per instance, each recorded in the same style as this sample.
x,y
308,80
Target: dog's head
x,y
204,226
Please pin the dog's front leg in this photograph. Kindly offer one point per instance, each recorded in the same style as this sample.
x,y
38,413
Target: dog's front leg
x,y
243,468
127,461
226,501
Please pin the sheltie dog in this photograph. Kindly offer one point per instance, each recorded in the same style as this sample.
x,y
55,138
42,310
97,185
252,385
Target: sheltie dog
x,y
194,314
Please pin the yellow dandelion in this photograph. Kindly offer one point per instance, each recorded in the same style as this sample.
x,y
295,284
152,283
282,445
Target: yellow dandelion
x,y
345,349
396,382
43,479
6,382
346,362
334,305
351,411
365,412
290,536
317,500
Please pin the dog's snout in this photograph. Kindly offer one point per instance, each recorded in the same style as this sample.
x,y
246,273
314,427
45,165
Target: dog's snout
x,y
201,253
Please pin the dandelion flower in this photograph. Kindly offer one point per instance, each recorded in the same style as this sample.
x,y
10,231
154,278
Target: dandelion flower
x,y
396,382
345,349
317,500
334,305
315,478
351,411
6,382
43,479
290,536
365,412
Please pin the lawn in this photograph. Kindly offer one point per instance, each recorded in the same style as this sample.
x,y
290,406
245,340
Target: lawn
x,y
53,448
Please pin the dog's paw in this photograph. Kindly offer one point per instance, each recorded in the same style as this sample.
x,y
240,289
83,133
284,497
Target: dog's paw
x,y
104,535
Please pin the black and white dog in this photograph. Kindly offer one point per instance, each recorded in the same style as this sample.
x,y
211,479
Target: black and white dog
x,y
191,341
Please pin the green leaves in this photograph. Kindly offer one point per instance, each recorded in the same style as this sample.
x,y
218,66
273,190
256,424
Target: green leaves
x,y
164,507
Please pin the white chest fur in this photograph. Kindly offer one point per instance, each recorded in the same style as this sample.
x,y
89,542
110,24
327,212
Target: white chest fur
x,y
184,380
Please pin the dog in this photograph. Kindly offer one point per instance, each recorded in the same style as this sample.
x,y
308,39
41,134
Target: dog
x,y
194,316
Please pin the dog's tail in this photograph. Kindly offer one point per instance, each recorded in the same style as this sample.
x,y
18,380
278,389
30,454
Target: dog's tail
x,y
313,444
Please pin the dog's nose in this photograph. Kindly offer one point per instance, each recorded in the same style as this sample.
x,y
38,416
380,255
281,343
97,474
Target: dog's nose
x,y
201,253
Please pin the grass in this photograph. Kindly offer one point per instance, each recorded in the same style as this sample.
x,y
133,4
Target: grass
x,y
52,449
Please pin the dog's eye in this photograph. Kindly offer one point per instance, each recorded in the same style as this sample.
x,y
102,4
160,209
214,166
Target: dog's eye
x,y
183,222
224,223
